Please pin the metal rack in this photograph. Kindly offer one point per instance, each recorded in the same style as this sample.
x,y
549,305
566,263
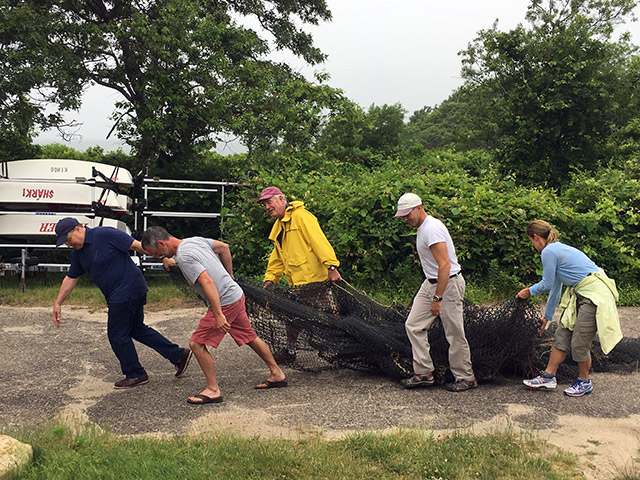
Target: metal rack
x,y
151,184
141,213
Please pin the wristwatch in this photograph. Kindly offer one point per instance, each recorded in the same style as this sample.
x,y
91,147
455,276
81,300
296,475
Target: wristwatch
x,y
332,267
436,298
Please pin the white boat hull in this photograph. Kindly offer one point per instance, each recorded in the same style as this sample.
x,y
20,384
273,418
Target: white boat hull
x,y
43,196
64,169
41,227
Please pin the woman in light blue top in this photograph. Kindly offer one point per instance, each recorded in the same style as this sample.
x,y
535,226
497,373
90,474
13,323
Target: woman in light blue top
x,y
588,288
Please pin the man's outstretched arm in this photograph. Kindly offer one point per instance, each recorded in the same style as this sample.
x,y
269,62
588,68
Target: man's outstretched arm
x,y
67,286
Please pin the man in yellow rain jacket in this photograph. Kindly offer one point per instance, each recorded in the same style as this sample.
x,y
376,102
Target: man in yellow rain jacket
x,y
301,252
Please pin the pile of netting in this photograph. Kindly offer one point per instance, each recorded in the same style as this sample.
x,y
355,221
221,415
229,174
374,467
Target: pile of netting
x,y
341,326
335,325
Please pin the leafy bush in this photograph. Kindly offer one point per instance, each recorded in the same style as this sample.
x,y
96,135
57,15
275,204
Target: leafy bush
x,y
486,217
486,214
606,223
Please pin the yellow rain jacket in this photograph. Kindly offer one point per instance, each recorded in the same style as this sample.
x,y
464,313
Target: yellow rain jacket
x,y
601,290
300,249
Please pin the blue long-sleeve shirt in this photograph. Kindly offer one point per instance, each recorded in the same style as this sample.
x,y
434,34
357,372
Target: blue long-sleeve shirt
x,y
561,265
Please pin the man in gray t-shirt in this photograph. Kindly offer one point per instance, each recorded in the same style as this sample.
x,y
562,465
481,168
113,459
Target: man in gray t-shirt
x,y
197,254
206,264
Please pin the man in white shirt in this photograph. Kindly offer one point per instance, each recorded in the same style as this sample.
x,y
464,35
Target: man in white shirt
x,y
441,295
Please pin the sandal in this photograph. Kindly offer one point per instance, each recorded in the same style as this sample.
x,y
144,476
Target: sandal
x,y
419,380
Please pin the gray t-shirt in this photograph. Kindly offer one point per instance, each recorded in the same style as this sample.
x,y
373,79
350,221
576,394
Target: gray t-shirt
x,y
194,256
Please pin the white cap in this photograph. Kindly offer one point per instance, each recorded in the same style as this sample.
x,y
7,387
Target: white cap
x,y
406,203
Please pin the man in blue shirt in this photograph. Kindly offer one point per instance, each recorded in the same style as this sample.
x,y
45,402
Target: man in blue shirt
x,y
103,252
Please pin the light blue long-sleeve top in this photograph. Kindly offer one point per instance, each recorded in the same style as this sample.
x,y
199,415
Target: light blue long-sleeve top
x,y
561,265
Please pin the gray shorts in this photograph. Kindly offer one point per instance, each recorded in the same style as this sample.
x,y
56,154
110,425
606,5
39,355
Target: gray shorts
x,y
579,340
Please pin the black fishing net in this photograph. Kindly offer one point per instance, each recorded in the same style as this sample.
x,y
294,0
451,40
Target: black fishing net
x,y
363,335
335,325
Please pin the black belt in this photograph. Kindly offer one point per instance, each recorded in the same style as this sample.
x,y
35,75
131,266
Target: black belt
x,y
435,280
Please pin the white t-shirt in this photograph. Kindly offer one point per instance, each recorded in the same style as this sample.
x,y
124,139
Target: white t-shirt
x,y
194,256
430,232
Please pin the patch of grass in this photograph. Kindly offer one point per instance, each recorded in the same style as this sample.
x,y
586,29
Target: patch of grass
x,y
411,454
42,289
629,472
91,453
632,473
481,295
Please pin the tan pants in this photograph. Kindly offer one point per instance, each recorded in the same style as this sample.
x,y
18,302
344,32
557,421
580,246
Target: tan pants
x,y
420,319
584,331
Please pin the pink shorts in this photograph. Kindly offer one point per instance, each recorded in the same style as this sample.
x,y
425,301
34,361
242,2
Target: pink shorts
x,y
241,330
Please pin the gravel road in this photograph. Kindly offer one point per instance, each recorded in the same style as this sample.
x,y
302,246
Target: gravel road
x,y
67,374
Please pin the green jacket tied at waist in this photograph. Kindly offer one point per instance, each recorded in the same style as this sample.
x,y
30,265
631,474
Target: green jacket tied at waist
x,y
601,290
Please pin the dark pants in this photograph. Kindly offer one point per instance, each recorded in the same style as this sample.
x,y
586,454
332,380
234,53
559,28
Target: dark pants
x,y
126,322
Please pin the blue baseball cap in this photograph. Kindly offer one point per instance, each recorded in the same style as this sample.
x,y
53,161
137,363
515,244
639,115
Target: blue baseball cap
x,y
63,228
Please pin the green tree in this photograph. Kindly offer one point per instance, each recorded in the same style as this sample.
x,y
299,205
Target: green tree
x,y
552,90
357,137
23,70
387,126
625,139
16,134
450,124
187,70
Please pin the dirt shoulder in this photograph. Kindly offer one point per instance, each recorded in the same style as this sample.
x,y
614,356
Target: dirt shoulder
x,y
67,374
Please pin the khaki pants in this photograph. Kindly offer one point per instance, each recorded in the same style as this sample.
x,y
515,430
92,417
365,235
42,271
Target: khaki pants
x,y
420,319
584,331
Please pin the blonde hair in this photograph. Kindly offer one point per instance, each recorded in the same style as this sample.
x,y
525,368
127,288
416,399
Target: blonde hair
x,y
544,230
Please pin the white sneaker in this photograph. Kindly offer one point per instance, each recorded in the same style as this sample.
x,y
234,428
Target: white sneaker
x,y
579,388
541,381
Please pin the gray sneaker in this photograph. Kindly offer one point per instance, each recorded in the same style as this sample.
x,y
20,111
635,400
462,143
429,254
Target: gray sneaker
x,y
418,380
461,385
579,388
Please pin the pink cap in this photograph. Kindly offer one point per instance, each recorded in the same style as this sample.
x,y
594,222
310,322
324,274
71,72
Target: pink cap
x,y
269,192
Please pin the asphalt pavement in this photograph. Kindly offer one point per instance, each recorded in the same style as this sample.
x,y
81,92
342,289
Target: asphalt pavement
x,y
51,373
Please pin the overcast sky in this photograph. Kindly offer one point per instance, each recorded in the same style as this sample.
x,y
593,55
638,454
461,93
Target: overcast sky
x,y
379,51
